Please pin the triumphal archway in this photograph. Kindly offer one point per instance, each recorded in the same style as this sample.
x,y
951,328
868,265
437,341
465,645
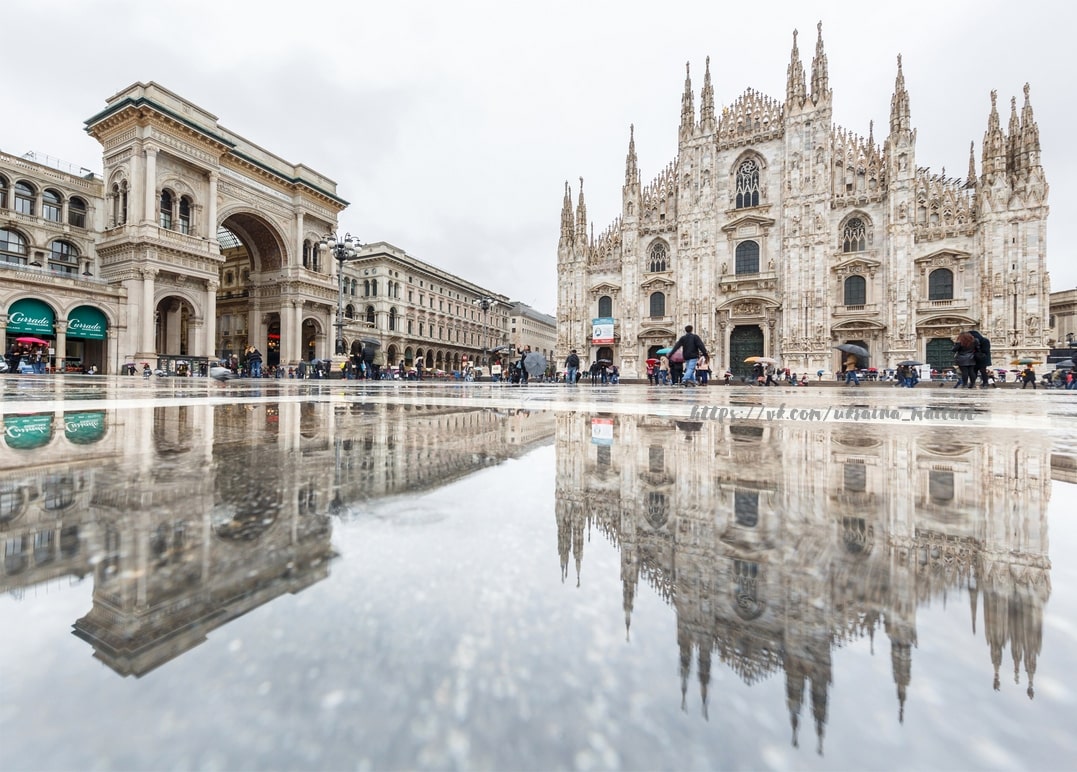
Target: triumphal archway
x,y
214,238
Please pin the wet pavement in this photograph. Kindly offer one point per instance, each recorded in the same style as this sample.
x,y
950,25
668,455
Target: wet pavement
x,y
336,575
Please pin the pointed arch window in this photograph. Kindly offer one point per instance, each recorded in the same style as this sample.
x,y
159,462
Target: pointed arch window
x,y
747,257
659,258
747,185
605,306
854,235
940,284
658,304
856,291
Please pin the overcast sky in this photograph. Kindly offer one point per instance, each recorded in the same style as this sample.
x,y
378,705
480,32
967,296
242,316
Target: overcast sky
x,y
451,127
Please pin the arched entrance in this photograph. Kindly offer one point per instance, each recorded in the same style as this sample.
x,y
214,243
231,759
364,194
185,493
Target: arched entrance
x,y
745,340
940,353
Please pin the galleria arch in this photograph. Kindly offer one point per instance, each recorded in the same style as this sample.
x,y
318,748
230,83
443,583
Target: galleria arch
x,y
214,238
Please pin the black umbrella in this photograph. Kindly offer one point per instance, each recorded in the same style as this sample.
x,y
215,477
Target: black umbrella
x,y
370,342
1065,364
852,348
535,363
909,363
604,361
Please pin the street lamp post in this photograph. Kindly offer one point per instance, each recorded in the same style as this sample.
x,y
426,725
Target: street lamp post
x,y
485,303
342,251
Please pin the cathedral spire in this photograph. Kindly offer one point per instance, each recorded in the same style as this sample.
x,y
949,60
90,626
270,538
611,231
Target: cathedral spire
x,y
820,81
567,223
688,108
631,170
1013,141
706,101
581,217
970,181
1030,135
795,90
994,147
900,116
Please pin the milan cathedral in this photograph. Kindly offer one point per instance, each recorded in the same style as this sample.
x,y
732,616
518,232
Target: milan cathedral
x,y
777,233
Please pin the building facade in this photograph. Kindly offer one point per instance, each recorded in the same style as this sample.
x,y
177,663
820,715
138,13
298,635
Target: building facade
x,y
1064,318
414,311
531,328
777,233
192,244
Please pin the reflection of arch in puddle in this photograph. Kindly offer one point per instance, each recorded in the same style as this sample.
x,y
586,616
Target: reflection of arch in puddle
x,y
13,499
858,438
948,449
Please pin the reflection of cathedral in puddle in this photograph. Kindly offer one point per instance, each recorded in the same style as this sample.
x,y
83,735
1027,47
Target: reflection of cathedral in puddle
x,y
775,543
189,516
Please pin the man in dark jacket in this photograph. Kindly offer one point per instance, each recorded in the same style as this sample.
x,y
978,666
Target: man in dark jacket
x,y
983,356
691,346
572,366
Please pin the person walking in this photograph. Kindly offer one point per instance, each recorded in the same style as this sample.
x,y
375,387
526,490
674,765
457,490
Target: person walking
x,y
691,346
572,366
983,358
703,369
1028,375
852,366
965,358
663,370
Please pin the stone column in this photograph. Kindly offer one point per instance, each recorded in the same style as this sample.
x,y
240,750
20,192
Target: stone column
x,y
298,240
147,345
284,345
61,346
149,197
211,206
208,346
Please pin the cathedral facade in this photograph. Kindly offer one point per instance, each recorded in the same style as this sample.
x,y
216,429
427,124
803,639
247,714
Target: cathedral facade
x,y
777,233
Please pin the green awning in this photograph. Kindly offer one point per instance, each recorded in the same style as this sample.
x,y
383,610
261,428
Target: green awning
x,y
84,428
26,432
86,322
32,316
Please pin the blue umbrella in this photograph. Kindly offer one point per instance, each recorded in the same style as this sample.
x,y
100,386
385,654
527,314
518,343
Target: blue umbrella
x,y
665,350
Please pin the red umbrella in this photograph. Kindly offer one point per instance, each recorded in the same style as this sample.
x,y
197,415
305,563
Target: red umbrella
x,y
32,341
